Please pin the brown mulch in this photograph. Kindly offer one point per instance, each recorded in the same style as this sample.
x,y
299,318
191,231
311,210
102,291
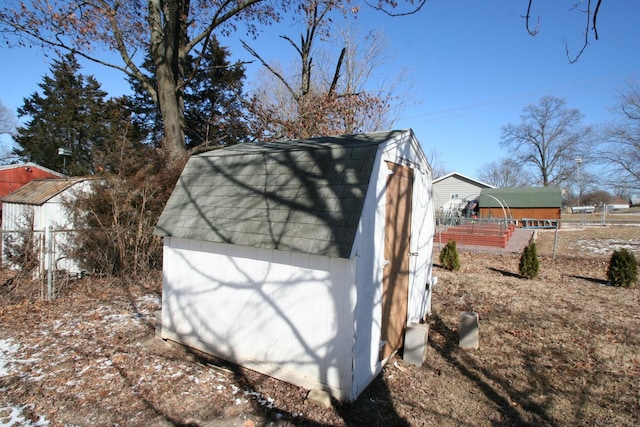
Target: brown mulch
x,y
561,350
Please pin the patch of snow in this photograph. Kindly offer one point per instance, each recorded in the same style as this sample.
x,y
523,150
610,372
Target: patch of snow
x,y
11,416
7,348
15,417
604,246
268,402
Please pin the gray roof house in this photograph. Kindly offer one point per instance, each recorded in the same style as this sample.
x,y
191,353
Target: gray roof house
x,y
305,260
454,189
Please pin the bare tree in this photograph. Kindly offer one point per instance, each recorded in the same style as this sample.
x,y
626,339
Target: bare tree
x,y
548,140
169,31
329,96
365,55
620,152
590,8
504,173
7,120
438,168
8,124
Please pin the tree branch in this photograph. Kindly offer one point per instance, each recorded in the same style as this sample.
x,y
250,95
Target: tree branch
x,y
587,29
411,12
268,67
527,17
336,75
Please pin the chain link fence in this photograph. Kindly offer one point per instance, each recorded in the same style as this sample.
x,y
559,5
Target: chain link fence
x,y
587,236
590,237
52,256
41,255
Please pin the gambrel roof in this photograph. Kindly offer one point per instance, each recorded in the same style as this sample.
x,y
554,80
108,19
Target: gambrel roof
x,y
304,195
521,197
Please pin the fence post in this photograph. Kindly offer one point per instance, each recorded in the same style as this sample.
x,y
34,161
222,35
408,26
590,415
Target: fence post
x,y
555,239
49,239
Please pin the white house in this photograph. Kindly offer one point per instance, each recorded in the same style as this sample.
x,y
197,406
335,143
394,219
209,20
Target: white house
x,y
304,260
39,207
454,189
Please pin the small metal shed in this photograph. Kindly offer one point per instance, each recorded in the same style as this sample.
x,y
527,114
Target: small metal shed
x,y
304,260
38,207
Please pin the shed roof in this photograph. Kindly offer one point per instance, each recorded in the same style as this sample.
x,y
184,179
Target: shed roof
x,y
305,195
39,191
521,197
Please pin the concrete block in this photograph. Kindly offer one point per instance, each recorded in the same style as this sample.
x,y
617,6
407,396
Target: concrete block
x,y
415,343
468,330
319,398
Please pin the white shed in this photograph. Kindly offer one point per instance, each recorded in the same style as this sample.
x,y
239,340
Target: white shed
x,y
38,207
304,260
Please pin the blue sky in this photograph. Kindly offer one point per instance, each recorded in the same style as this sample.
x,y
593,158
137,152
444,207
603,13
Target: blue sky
x,y
473,68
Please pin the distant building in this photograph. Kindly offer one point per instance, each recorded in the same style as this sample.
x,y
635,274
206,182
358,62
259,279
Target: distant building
x,y
454,191
39,207
521,203
15,176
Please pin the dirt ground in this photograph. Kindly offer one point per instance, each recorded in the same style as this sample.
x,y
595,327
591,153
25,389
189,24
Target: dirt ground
x,y
561,350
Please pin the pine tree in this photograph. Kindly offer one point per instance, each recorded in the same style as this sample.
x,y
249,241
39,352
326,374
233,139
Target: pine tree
x,y
70,113
212,106
213,113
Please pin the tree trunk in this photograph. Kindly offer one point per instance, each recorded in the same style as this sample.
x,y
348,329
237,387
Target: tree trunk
x,y
172,110
166,34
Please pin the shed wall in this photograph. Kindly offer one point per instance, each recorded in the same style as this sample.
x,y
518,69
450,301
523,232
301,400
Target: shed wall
x,y
285,314
519,213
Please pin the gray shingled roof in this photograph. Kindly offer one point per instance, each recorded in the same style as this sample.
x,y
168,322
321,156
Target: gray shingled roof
x,y
304,196
521,197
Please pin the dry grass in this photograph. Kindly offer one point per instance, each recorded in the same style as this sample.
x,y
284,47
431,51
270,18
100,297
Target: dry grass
x,y
561,350
581,241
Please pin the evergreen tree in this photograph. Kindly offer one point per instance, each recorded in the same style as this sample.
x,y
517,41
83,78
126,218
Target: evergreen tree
x,y
212,106
70,113
213,110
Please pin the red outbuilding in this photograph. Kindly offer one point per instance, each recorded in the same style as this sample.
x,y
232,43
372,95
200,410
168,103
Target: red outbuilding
x,y
15,176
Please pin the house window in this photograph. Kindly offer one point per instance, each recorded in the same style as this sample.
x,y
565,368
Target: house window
x,y
454,196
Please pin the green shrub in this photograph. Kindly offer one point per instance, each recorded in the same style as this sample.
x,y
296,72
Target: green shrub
x,y
449,256
529,263
623,269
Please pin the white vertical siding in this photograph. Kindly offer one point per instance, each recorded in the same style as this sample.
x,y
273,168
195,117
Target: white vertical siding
x,y
288,315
